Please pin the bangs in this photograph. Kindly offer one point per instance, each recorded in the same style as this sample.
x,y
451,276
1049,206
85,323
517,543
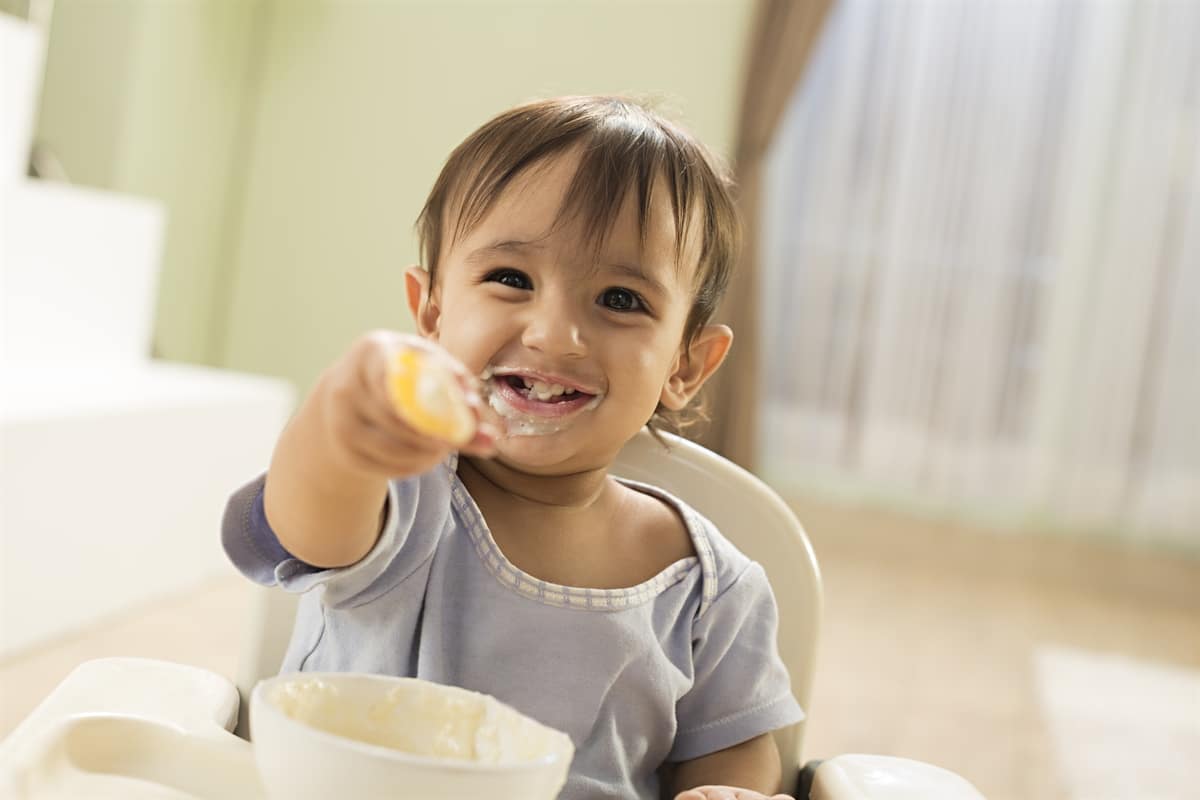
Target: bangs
x,y
612,165
622,148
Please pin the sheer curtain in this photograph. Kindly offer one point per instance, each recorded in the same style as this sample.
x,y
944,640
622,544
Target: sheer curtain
x,y
981,264
781,43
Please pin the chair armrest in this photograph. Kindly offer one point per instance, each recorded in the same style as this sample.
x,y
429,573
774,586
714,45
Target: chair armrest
x,y
871,777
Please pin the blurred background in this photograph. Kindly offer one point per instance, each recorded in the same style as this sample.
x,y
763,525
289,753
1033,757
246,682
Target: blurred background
x,y
968,321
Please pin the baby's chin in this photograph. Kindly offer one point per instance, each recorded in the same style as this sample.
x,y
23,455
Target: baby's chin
x,y
548,455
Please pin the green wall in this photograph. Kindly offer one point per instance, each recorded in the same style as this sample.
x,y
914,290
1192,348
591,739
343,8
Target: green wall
x,y
147,97
294,142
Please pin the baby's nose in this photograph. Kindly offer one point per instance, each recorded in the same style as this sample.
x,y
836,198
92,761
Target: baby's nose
x,y
553,330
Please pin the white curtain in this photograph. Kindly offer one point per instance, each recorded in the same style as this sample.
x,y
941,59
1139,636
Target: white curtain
x,y
981,264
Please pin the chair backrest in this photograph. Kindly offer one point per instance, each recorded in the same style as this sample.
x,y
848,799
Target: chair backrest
x,y
745,510
752,516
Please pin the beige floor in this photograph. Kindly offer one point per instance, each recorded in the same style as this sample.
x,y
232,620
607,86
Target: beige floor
x,y
939,644
932,641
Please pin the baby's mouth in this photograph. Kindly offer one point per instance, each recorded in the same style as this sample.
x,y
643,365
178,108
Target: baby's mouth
x,y
535,386
541,391
532,404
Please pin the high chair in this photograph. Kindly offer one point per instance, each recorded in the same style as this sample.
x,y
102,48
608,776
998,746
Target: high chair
x,y
751,515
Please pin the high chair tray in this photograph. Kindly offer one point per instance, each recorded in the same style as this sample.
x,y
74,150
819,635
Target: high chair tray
x,y
135,729
139,729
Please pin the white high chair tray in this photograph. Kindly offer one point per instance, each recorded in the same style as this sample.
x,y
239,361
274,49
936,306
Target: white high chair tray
x,y
131,728
139,729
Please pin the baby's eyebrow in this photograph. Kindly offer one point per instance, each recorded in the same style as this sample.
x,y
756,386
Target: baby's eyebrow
x,y
503,248
637,273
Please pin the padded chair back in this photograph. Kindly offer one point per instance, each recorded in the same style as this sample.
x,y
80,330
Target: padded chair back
x,y
745,510
752,516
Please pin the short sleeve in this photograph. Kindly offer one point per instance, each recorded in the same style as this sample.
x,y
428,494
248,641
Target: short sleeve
x,y
257,553
740,686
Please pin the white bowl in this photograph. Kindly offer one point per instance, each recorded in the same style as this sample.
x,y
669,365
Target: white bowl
x,y
323,735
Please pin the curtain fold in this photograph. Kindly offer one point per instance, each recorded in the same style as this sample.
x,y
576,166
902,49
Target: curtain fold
x,y
978,263
782,39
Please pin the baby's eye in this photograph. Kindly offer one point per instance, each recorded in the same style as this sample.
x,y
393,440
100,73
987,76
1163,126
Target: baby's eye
x,y
619,299
509,277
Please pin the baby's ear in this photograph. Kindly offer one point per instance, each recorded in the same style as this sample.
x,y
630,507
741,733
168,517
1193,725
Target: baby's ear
x,y
421,302
695,364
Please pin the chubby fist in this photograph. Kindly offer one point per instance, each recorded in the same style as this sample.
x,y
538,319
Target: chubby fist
x,y
381,414
727,793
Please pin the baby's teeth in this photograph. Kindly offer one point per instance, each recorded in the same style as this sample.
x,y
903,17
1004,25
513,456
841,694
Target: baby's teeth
x,y
544,391
486,374
568,391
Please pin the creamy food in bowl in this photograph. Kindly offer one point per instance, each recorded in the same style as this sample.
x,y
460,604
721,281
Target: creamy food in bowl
x,y
320,735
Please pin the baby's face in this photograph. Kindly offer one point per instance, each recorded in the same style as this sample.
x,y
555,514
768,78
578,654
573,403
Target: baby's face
x,y
576,355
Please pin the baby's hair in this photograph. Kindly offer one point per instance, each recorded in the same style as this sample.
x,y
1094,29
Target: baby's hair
x,y
623,145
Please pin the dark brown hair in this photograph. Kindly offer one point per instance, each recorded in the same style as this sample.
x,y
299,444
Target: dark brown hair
x,y
624,145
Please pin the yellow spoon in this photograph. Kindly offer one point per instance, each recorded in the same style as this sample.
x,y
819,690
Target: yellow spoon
x,y
428,396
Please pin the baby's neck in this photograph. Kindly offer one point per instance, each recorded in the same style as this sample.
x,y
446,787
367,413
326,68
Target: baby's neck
x,y
491,479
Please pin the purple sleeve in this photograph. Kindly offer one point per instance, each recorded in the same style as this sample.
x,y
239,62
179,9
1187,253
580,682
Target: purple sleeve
x,y
251,544
420,502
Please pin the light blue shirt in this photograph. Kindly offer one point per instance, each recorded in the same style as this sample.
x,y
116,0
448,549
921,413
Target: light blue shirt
x,y
677,667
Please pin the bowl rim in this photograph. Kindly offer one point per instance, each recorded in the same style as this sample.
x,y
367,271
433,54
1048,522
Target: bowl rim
x,y
259,700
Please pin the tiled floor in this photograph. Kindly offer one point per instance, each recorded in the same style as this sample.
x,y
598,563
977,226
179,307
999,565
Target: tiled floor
x,y
1040,669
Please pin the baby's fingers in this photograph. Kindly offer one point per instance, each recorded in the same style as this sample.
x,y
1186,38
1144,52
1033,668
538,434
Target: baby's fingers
x,y
708,793
484,441
381,445
726,793
489,426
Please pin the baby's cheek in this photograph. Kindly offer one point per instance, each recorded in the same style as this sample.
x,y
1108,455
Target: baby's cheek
x,y
464,335
651,373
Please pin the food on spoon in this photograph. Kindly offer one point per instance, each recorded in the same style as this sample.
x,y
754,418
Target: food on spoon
x,y
427,395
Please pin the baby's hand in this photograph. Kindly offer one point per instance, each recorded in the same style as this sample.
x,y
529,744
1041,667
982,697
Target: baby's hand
x,y
366,407
727,793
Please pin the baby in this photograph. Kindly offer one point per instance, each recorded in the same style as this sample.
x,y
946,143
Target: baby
x,y
575,250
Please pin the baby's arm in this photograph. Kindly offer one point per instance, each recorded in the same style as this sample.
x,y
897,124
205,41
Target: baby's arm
x,y
747,771
331,466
